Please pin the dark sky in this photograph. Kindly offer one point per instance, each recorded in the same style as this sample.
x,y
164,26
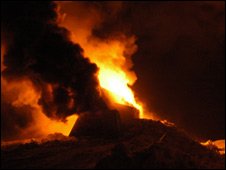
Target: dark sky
x,y
181,65
180,62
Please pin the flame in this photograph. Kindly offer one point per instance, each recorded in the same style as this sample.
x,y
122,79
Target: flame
x,y
111,55
113,74
219,144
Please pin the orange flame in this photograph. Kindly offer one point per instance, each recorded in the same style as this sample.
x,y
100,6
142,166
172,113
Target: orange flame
x,y
112,56
219,144
114,74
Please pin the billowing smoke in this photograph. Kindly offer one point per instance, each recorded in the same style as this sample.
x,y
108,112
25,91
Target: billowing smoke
x,y
111,51
42,51
38,50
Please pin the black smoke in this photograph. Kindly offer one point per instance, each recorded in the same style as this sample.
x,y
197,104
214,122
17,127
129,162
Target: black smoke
x,y
39,50
13,123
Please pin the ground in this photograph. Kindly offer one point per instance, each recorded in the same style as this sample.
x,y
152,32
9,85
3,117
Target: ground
x,y
141,144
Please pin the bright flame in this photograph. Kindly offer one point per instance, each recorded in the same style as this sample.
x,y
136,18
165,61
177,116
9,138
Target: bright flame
x,y
112,56
114,74
117,84
113,60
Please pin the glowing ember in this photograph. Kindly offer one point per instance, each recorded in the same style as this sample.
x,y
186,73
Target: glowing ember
x,y
219,144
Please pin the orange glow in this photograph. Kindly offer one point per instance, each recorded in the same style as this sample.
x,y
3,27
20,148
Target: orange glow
x,y
2,54
22,93
111,55
114,74
219,144
49,126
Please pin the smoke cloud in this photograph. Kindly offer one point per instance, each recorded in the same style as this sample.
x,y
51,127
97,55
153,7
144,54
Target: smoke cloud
x,y
42,51
38,50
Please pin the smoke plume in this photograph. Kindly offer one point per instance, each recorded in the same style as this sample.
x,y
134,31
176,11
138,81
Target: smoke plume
x,y
39,52
42,51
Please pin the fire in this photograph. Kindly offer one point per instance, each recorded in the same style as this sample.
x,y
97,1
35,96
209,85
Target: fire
x,y
111,55
112,74
219,144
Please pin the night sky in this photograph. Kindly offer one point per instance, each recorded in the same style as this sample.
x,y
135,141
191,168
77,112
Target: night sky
x,y
181,65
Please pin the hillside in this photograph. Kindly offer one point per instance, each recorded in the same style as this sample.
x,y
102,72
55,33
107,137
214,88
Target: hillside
x,y
142,144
